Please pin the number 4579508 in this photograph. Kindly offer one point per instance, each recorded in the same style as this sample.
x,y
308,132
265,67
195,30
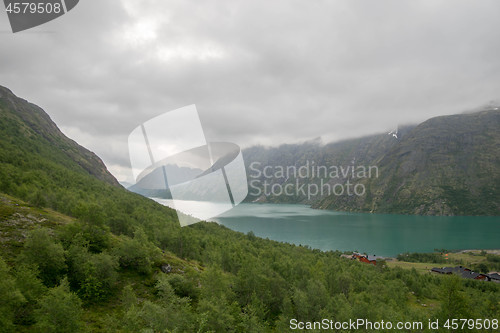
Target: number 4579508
x,y
453,324
33,8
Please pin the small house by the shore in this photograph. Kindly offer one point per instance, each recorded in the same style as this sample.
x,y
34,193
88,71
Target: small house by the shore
x,y
369,259
463,272
495,277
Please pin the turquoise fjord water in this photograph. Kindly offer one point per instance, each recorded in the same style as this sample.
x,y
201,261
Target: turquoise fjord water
x,y
380,234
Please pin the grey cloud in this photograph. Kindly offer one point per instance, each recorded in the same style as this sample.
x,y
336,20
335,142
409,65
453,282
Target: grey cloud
x,y
259,72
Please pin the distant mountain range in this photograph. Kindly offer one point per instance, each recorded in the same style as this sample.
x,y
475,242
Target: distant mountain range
x,y
447,165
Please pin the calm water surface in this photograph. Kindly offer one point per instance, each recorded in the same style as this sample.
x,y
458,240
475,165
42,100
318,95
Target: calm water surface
x,y
380,234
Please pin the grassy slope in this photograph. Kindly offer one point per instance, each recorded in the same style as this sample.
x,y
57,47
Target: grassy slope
x,y
18,218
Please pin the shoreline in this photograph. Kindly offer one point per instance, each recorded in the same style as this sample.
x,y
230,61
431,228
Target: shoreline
x,y
474,251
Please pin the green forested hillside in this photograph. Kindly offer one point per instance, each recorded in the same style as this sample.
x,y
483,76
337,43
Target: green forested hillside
x,y
79,253
26,127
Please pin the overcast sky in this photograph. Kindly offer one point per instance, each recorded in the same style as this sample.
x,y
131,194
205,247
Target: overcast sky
x,y
259,72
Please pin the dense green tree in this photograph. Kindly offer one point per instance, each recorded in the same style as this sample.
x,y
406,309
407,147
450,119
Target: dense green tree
x,y
10,298
220,314
169,313
138,252
41,250
32,288
184,285
59,311
100,276
95,237
93,275
454,303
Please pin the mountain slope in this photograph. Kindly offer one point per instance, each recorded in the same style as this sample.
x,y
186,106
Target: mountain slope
x,y
19,117
364,151
447,165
